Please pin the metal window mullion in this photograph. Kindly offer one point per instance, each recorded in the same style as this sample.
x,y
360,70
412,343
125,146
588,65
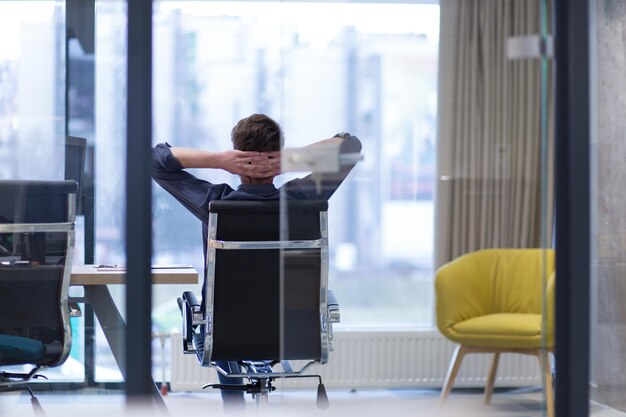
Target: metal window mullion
x,y
138,225
572,185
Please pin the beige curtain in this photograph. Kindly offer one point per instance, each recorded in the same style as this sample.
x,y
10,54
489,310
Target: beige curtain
x,y
489,189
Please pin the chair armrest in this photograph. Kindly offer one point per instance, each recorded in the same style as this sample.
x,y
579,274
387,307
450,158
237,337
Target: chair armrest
x,y
192,316
74,309
332,300
191,299
334,315
460,292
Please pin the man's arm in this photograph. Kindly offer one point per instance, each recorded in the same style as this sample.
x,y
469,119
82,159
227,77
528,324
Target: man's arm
x,y
168,170
189,190
328,183
348,144
339,139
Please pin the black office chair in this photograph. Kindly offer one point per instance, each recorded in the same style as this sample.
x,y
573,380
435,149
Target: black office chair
x,y
266,294
36,245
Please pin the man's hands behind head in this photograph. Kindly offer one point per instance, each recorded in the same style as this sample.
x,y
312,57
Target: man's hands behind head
x,y
251,164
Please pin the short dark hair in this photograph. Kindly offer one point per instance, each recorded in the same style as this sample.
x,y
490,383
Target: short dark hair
x,y
257,132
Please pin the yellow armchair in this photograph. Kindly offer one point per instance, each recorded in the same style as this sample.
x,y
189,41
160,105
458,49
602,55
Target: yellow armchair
x,y
490,301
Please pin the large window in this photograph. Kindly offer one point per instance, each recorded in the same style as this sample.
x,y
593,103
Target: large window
x,y
319,69
32,89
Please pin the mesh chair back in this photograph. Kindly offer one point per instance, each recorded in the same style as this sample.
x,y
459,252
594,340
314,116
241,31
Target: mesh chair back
x,y
253,317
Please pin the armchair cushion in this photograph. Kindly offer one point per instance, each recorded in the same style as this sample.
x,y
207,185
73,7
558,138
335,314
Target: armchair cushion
x,y
501,330
16,350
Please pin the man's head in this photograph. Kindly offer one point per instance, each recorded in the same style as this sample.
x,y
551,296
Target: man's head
x,y
257,133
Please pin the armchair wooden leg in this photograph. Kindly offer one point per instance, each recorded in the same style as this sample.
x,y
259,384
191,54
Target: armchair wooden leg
x,y
546,370
492,377
453,370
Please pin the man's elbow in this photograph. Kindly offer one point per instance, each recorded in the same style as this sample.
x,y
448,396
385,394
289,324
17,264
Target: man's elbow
x,y
351,144
156,168
163,161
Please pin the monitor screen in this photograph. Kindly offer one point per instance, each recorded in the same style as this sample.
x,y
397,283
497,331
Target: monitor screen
x,y
75,149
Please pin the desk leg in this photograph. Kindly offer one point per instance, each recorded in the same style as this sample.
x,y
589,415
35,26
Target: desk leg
x,y
111,321
114,329
90,346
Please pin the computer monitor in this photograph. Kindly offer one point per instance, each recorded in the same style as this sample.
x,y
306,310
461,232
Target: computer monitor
x,y
75,149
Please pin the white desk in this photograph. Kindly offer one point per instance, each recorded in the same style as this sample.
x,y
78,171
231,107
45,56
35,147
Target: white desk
x,y
95,280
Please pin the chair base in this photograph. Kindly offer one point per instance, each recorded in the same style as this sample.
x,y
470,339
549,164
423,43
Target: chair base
x,y
261,377
12,381
9,379
462,350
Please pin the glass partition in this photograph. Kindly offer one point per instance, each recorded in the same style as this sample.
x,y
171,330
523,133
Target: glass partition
x,y
416,136
110,167
428,142
47,84
547,214
318,69
32,126
454,130
316,75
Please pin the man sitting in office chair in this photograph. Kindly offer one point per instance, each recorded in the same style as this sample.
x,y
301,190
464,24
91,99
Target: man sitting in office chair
x,y
257,141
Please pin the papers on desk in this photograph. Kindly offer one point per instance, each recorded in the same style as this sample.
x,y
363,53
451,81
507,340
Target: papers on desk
x,y
118,268
109,268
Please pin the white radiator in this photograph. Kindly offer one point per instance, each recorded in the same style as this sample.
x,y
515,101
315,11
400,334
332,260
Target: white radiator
x,y
380,359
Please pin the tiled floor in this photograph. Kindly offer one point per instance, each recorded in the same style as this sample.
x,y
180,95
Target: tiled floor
x,y
300,403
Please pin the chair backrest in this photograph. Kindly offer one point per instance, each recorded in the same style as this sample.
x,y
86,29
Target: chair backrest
x,y
266,292
36,247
